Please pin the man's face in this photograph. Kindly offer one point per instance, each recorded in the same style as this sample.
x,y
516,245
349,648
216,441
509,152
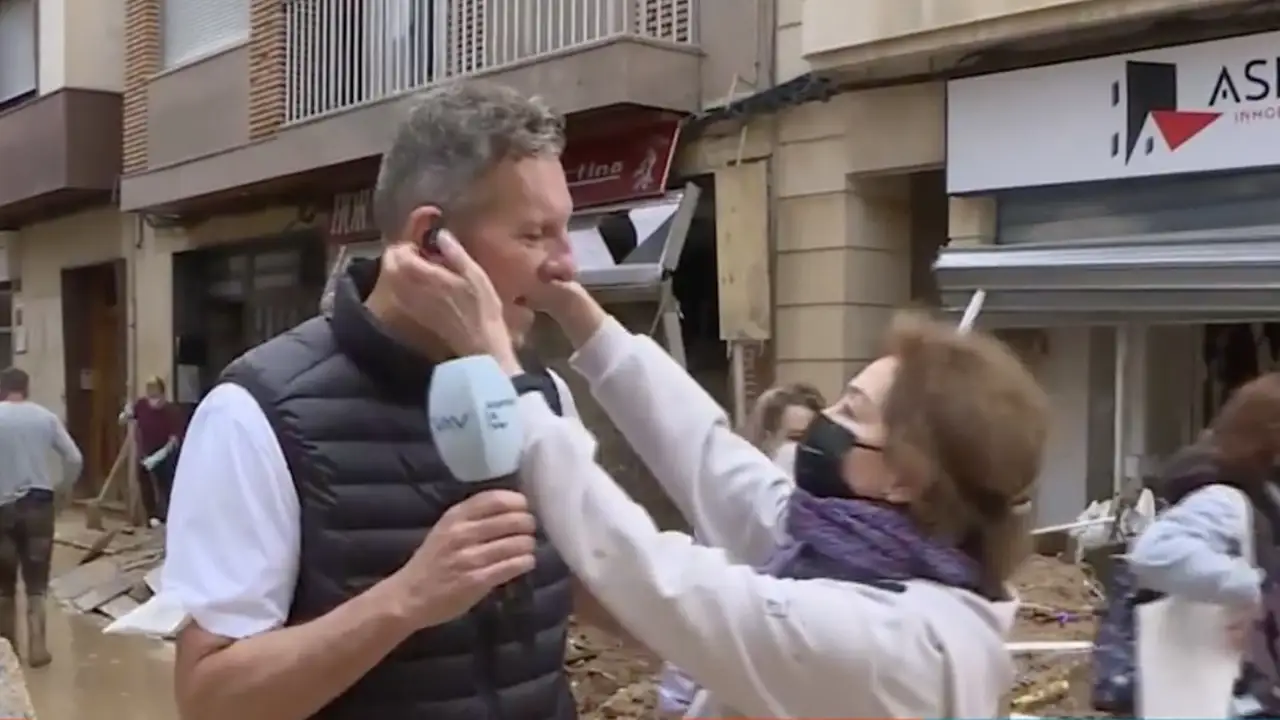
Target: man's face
x,y
524,224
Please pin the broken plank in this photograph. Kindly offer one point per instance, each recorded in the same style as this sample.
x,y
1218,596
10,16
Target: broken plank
x,y
1048,646
113,588
83,578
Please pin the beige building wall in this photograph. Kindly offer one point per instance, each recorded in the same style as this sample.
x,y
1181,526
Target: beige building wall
x,y
844,225
844,35
43,251
81,45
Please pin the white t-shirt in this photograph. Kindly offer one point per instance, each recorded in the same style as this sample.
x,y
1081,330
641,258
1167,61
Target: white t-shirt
x,y
233,536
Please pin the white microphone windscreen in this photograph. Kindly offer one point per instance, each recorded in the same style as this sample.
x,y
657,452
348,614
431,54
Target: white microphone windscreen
x,y
475,422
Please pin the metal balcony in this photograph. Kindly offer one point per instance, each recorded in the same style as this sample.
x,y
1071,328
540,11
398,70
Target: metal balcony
x,y
343,54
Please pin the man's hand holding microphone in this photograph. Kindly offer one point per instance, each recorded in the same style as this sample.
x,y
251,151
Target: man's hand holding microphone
x,y
487,540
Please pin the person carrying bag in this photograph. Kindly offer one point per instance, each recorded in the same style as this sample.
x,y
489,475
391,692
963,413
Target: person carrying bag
x,y
1206,628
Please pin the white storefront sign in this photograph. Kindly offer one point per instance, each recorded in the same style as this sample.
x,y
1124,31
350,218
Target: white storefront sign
x,y
1191,108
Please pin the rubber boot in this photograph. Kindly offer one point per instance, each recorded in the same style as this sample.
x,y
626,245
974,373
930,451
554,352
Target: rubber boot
x,y
37,648
9,620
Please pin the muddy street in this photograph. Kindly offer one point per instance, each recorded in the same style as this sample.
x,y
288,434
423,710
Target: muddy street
x,y
96,675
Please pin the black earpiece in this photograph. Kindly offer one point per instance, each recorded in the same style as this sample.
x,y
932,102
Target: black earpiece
x,y
431,238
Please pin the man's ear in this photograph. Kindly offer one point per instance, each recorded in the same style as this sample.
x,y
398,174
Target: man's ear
x,y
422,225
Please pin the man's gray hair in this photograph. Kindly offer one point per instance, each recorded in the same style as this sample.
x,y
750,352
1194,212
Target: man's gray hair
x,y
453,137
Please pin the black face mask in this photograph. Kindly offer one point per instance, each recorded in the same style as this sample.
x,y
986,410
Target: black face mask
x,y
820,457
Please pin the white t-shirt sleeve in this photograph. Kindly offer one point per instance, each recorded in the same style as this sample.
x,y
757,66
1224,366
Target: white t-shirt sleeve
x,y
233,534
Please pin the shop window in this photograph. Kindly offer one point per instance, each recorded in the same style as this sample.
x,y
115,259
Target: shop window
x,y
231,298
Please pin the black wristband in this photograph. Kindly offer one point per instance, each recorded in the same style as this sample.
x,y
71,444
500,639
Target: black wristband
x,y
525,383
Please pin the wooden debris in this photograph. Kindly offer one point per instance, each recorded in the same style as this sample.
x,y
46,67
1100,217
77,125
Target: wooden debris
x,y
1039,697
119,571
99,547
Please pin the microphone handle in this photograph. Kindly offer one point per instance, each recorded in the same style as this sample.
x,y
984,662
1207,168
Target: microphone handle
x,y
514,599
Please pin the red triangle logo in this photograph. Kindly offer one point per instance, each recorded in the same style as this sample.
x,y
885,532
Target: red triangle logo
x,y
1179,126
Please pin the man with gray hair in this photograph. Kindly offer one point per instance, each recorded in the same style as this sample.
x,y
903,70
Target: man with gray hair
x,y
321,560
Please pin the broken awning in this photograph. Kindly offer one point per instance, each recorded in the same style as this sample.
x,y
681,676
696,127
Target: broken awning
x,y
634,246
623,252
1166,279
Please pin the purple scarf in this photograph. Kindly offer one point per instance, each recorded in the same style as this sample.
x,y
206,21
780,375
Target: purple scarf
x,y
864,541
859,541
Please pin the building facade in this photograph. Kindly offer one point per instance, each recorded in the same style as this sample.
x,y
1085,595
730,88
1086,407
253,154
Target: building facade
x,y
1120,213
63,241
764,181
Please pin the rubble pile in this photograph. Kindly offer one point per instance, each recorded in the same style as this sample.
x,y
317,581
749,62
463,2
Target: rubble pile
x,y
1059,602
610,680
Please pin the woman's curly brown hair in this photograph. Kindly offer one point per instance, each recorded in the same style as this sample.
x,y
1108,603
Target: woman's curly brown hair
x,y
766,414
1245,435
966,422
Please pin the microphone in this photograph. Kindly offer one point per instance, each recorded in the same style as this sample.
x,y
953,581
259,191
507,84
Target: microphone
x,y
471,407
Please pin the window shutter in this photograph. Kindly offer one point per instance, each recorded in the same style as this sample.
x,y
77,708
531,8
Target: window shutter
x,y
465,32
17,48
666,19
198,27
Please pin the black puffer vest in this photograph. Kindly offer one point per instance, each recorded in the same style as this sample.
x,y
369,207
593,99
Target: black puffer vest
x,y
346,402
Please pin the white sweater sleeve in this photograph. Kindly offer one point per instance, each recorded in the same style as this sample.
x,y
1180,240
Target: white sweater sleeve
x,y
767,647
731,492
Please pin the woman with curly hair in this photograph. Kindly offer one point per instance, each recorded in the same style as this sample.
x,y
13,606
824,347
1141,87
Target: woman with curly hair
x,y
881,588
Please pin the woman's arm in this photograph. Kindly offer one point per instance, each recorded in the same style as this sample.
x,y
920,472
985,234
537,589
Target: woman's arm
x,y
1192,550
765,646
731,492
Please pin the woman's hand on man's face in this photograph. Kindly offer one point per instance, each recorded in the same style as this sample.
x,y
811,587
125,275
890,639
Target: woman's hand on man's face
x,y
452,296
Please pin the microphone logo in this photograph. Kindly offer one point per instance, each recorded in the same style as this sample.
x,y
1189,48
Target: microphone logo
x,y
445,423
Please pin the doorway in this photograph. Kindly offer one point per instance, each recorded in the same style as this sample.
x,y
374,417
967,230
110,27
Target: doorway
x,y
94,360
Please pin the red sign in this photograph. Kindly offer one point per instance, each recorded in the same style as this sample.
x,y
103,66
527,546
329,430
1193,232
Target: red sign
x,y
604,169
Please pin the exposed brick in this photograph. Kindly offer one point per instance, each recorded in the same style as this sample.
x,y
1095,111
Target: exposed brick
x,y
266,67
141,63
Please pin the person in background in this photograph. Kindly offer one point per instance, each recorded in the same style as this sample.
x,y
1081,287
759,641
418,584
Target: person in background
x,y
775,426
779,418
883,589
27,510
1223,496
157,428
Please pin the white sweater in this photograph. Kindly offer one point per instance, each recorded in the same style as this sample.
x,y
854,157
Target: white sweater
x,y
760,646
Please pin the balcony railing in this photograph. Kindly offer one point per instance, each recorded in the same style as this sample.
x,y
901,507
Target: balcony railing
x,y
345,53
